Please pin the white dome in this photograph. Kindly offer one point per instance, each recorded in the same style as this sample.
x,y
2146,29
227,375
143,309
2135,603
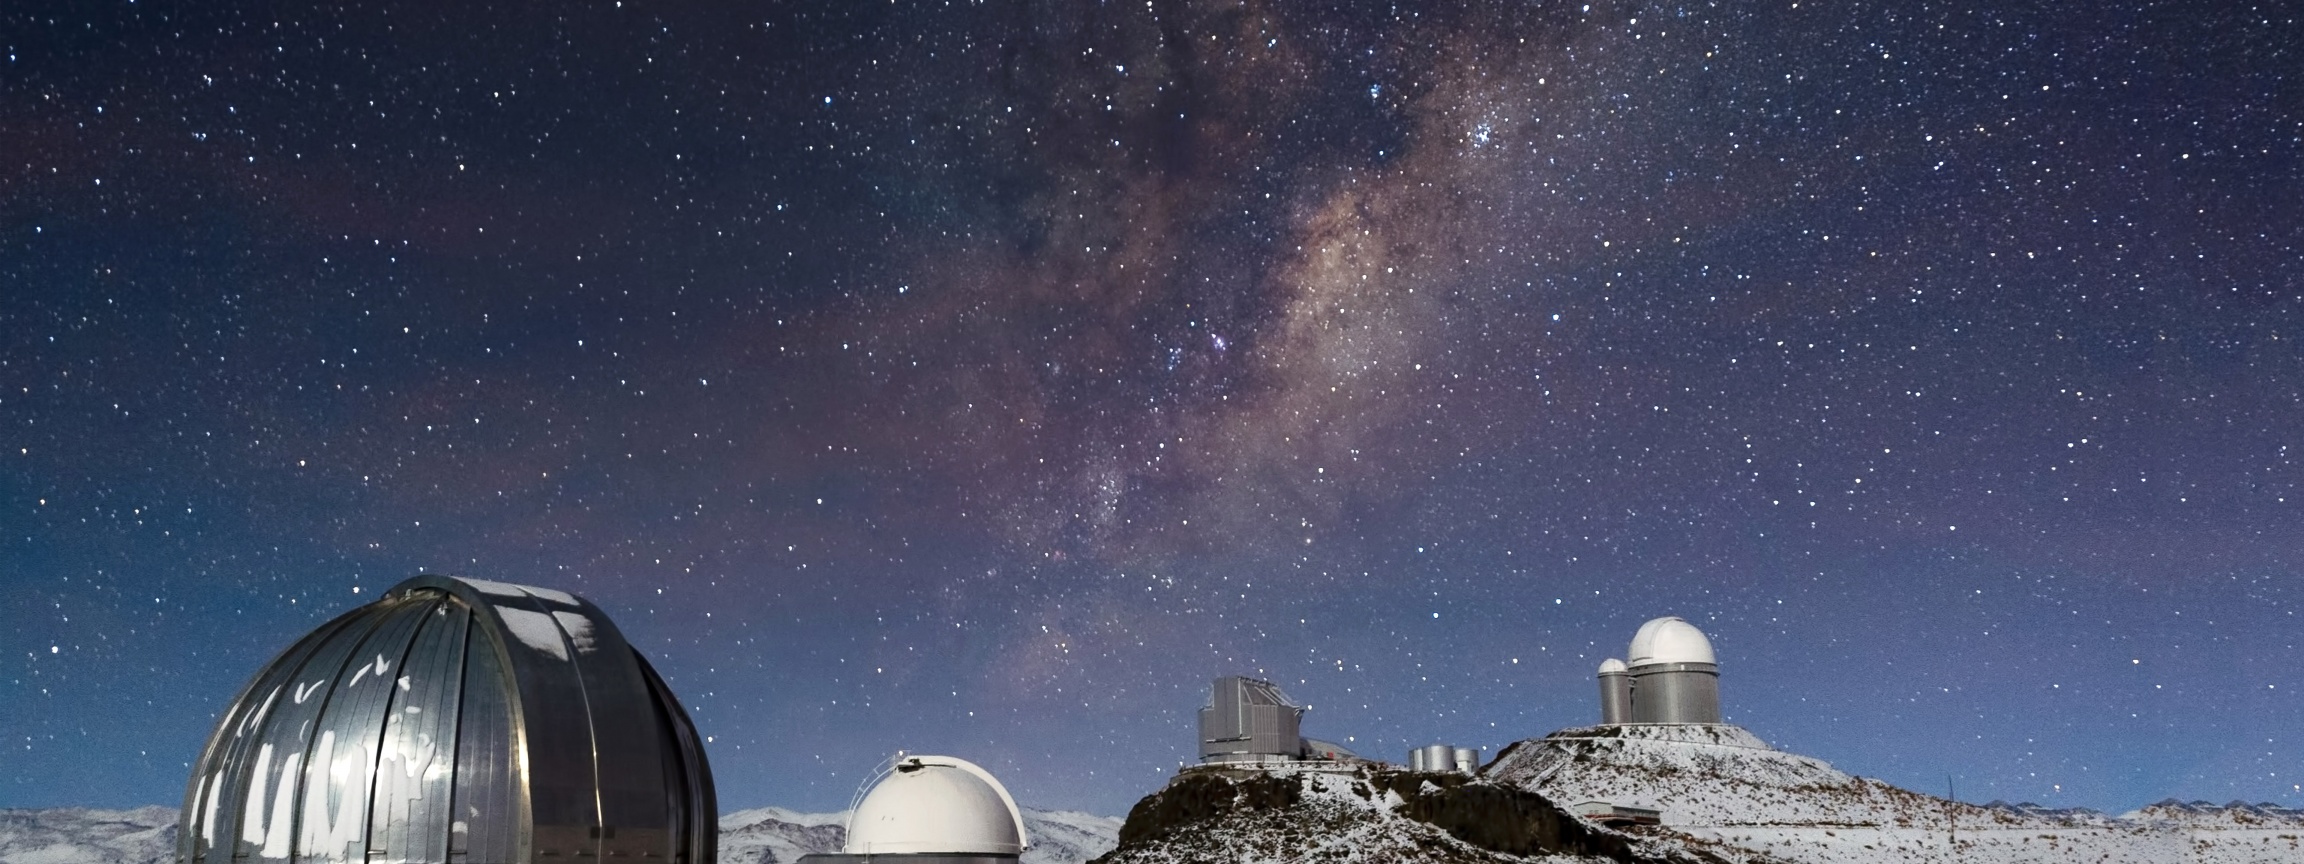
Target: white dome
x,y
1670,640
936,804
1611,665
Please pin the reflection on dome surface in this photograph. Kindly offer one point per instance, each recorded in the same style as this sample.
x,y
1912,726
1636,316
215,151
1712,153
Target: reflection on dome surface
x,y
454,720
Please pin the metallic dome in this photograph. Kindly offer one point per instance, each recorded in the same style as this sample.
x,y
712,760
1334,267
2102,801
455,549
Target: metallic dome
x,y
1611,666
1669,640
937,805
454,721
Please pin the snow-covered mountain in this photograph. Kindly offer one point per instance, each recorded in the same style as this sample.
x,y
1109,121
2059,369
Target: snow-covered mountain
x,y
1068,836
1725,792
2201,814
769,835
72,835
1725,797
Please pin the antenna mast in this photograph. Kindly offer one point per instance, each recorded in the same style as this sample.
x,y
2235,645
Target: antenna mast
x,y
1952,816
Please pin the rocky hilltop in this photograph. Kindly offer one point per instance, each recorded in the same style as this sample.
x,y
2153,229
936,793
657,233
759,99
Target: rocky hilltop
x,y
1722,796
1366,815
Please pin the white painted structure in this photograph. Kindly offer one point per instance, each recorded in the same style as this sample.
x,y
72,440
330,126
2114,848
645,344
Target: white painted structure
x,y
1669,640
1672,677
937,805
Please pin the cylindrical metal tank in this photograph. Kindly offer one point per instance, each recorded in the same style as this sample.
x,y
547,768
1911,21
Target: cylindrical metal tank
x,y
1439,757
451,721
1415,758
1615,693
1467,760
1676,693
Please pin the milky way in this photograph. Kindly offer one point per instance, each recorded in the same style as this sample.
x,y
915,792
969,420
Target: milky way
x,y
985,378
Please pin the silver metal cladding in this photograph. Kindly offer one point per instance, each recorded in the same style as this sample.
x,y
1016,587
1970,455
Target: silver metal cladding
x,y
1250,720
1676,693
454,720
1615,695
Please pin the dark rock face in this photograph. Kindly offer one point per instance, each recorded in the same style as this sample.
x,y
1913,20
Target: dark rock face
x,y
1206,795
1499,818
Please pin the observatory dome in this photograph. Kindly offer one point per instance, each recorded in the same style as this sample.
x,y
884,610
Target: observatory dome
x,y
454,720
1611,665
1669,640
937,805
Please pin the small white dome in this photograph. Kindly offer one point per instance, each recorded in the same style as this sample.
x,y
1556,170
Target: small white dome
x,y
1670,640
1611,665
936,804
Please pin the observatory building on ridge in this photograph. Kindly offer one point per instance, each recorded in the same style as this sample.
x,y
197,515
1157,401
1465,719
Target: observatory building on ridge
x,y
1250,720
454,721
933,810
1671,677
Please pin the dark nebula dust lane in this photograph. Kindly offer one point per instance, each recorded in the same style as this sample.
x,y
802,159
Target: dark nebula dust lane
x,y
986,377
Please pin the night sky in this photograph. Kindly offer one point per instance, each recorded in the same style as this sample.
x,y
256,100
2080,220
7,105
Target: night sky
x,y
985,377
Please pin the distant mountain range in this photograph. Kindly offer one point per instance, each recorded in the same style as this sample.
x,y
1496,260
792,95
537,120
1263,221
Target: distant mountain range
x,y
1724,797
774,835
769,835
74,835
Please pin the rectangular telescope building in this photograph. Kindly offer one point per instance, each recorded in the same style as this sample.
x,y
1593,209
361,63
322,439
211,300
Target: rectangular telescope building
x,y
1250,720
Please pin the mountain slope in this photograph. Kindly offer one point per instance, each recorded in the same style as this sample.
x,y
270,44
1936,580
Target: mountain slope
x,y
1362,815
1722,788
72,835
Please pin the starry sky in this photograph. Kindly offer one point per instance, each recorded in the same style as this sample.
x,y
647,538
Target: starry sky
x,y
985,377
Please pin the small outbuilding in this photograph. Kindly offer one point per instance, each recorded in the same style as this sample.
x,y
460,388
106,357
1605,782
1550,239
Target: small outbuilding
x,y
1618,815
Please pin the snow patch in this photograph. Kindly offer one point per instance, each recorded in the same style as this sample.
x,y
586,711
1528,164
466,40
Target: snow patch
x,y
579,630
561,597
535,630
500,589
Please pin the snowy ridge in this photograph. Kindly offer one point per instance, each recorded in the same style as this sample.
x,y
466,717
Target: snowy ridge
x,y
766,835
2061,815
741,818
2201,814
1743,803
1708,775
774,835
1068,836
